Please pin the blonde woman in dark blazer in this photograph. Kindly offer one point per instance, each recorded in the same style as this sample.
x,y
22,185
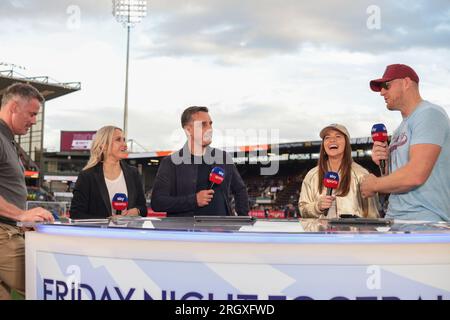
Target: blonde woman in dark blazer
x,y
105,175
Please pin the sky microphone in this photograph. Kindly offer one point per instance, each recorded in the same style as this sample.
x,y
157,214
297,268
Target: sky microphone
x,y
379,133
330,181
120,202
216,176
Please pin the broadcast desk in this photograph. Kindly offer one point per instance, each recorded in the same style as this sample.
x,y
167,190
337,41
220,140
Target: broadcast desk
x,y
187,258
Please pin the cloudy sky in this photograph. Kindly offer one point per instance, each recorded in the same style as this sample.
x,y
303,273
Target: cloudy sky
x,y
292,65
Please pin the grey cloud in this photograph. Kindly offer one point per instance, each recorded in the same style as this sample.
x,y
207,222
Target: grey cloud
x,y
264,27
45,16
223,28
49,9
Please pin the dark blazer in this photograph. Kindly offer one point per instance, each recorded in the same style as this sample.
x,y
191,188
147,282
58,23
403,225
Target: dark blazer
x,y
174,190
90,195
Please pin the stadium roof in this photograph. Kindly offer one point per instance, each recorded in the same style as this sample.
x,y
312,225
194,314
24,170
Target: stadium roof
x,y
303,145
49,88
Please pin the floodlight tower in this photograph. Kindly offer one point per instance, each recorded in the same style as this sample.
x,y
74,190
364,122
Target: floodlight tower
x,y
129,13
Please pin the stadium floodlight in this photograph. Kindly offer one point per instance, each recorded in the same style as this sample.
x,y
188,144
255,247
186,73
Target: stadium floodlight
x,y
129,13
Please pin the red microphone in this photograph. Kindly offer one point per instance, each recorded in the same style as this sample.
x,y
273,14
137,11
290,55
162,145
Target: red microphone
x,y
379,133
216,176
120,202
330,181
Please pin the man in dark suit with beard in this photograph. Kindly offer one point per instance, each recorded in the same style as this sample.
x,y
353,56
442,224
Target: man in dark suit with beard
x,y
182,186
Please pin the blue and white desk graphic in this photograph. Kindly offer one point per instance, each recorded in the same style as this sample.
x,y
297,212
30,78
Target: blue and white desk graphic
x,y
187,258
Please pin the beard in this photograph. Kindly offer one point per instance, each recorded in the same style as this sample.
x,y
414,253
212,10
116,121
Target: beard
x,y
207,138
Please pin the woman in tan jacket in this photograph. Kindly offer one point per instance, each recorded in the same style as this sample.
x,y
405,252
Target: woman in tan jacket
x,y
336,155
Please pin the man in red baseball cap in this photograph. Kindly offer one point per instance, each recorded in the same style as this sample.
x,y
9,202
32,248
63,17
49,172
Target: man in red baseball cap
x,y
419,153
394,71
400,88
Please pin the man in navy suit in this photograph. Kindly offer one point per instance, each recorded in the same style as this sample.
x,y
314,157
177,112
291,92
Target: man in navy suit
x,y
182,186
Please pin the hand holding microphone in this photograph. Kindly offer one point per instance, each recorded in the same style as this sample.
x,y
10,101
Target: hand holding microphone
x,y
325,201
380,147
120,202
216,177
131,212
204,197
330,181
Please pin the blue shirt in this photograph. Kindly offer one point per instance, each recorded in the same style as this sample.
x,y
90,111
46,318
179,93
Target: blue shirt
x,y
428,124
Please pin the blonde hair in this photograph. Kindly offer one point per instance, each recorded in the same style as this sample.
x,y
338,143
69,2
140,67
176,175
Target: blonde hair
x,y
101,145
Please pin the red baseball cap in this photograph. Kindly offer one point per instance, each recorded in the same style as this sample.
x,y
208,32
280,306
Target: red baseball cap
x,y
394,71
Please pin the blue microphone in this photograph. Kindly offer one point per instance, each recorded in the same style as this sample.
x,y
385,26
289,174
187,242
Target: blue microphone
x,y
379,133
120,202
216,176
330,181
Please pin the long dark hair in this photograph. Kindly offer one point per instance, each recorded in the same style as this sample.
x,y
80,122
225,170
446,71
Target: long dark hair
x,y
345,169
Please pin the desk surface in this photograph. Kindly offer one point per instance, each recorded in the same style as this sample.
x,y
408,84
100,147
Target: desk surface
x,y
255,230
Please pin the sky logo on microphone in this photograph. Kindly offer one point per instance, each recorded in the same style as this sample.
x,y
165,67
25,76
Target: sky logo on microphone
x,y
379,132
217,175
120,201
331,180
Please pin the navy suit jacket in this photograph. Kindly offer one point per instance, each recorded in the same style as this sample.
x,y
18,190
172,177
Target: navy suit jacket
x,y
174,190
